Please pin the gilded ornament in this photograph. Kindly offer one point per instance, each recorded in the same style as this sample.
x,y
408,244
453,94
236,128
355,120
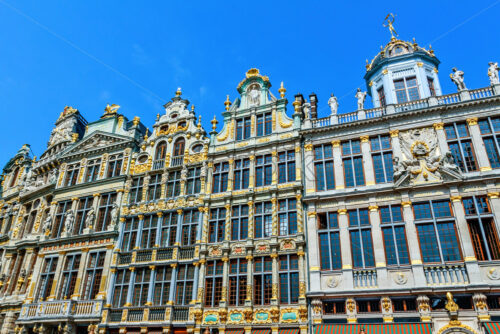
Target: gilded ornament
x,y
472,121
308,147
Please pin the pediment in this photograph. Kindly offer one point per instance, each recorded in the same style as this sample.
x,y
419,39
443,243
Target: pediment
x,y
96,141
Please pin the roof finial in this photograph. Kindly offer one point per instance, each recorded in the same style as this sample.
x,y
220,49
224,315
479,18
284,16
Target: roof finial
x,y
157,116
178,92
282,90
214,123
146,135
192,107
227,103
389,19
199,122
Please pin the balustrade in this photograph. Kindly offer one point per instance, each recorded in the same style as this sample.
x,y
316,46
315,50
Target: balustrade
x,y
164,254
61,309
365,278
158,164
446,274
186,253
180,313
156,314
177,161
135,315
481,93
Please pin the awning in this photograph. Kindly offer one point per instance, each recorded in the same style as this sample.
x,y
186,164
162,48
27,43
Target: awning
x,y
261,331
492,327
291,331
235,331
393,328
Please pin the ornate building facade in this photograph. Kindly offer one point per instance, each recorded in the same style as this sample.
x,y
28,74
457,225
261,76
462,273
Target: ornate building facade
x,y
379,220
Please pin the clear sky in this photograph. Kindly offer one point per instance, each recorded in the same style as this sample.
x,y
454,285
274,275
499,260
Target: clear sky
x,y
136,53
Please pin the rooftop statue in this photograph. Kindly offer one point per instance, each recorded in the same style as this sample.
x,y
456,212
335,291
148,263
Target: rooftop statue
x,y
458,79
361,96
334,104
389,19
493,73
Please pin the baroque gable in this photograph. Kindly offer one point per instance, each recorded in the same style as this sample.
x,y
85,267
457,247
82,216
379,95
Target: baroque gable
x,y
97,141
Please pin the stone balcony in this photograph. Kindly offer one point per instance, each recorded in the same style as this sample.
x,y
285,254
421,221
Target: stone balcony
x,y
364,114
64,309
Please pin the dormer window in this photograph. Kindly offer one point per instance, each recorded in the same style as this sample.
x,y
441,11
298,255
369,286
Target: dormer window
x,y
398,50
197,148
264,124
182,124
163,128
174,115
243,128
406,89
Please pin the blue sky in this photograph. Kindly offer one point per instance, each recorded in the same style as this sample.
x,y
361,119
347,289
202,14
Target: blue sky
x,y
136,53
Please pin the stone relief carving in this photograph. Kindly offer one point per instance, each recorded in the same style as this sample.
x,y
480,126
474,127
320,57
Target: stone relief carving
x,y
333,282
400,278
62,132
421,161
493,274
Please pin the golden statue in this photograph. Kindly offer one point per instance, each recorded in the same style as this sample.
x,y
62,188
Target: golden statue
x,y
390,24
450,304
111,109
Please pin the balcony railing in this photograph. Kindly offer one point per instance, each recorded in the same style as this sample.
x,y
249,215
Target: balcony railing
x,y
481,93
157,314
347,118
446,274
180,313
135,315
158,164
125,258
177,161
186,253
164,254
115,315
144,256
411,105
62,309
364,278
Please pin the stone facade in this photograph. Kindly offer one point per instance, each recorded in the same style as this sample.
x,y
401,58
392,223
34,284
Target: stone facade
x,y
280,222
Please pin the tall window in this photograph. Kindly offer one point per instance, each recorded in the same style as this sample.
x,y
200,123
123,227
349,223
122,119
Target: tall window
x,y
168,229
432,89
263,280
213,283
263,170
14,177
135,195
381,96
193,185
69,274
264,124
263,219
237,282
490,131
329,241
241,174
161,150
382,158
216,225
130,233
482,228
62,207
393,231
190,227
104,211
287,216
179,147
141,286
120,290
148,234
352,160
184,289
361,238
406,89
93,167
243,128
436,231
154,187
323,167
71,175
221,171
239,222
286,166
289,279
460,144
93,275
174,184
114,165
46,278
84,206
162,284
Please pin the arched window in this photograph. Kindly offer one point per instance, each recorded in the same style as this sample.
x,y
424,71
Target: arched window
x,y
14,177
161,151
179,147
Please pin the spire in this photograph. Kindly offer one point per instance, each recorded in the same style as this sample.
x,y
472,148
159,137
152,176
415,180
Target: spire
x,y
282,90
227,103
178,92
214,123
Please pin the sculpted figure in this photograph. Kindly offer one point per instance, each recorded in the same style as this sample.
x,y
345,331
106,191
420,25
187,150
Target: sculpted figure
x,y
306,108
68,221
254,96
53,176
399,168
493,73
89,220
334,104
448,163
47,224
458,79
360,96
114,213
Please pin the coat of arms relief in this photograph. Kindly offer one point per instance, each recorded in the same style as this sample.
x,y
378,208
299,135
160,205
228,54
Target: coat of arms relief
x,y
421,160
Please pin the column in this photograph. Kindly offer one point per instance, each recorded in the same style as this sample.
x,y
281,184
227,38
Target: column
x,y
310,186
275,166
300,213
178,235
81,273
413,244
345,248
111,286
274,201
204,235
249,299
275,294
225,279
201,281
173,283
395,143
230,175
378,245
298,162
477,140
441,136
81,172
158,230
195,281
36,272
251,182
130,287
302,275
227,233
250,219
367,161
107,263
208,187
151,287
466,241
494,197
28,263
337,165
164,178
313,250
139,232
145,188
